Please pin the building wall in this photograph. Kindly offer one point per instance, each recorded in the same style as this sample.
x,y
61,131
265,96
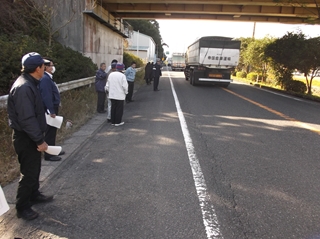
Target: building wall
x,y
101,44
83,33
146,45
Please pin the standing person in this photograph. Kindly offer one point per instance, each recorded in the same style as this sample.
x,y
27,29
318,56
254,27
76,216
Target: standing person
x,y
130,75
117,86
114,61
147,73
150,71
51,99
156,74
100,83
27,119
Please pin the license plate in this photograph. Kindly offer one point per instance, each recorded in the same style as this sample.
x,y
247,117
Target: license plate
x,y
215,75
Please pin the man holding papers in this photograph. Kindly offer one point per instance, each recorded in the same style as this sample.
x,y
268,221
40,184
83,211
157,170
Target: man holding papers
x,y
51,100
27,119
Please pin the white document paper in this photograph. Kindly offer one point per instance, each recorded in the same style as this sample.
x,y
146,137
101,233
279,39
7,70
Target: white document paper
x,y
54,150
55,122
4,207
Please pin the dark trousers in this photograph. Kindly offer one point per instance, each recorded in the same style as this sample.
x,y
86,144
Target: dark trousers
x,y
30,167
156,82
130,91
50,134
116,111
101,101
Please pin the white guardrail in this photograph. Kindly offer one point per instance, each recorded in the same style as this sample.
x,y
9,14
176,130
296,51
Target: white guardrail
x,y
62,87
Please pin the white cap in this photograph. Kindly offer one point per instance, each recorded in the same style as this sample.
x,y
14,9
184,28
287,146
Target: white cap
x,y
26,56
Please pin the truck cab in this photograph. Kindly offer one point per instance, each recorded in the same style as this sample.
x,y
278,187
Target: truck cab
x,y
178,61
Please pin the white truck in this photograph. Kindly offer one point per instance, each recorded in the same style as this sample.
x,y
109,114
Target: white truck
x,y
178,61
211,59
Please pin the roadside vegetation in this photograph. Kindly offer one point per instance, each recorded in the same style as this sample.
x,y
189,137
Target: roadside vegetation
x,y
21,33
273,62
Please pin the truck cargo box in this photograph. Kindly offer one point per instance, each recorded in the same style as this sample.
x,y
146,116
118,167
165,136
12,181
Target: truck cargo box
x,y
211,60
214,52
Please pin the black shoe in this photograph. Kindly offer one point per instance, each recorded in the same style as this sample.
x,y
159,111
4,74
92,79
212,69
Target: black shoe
x,y
109,120
27,214
62,152
41,199
131,100
53,158
102,112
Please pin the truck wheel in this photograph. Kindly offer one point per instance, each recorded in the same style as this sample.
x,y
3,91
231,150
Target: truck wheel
x,y
225,85
185,75
192,79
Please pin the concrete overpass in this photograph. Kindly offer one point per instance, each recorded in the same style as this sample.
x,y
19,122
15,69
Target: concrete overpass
x,y
302,11
98,31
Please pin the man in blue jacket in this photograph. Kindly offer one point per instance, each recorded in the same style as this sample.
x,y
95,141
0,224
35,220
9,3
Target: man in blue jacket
x,y
27,119
51,101
100,83
130,75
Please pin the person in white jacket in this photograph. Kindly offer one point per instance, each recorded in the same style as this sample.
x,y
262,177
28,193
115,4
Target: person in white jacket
x,y
117,86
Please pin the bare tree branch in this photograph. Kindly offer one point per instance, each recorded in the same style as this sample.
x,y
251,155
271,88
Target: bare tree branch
x,y
47,14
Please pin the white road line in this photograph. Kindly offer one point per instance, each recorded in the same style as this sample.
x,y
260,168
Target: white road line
x,y
209,216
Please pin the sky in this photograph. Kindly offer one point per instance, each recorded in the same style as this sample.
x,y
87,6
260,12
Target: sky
x,y
179,34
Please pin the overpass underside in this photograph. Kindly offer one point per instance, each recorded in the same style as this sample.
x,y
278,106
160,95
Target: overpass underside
x,y
256,11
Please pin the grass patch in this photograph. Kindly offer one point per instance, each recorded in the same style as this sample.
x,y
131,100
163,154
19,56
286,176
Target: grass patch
x,y
315,90
9,167
315,80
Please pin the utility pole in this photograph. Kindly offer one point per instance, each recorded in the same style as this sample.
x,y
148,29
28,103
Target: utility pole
x,y
254,30
138,44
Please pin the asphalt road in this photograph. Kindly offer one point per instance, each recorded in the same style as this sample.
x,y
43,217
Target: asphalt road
x,y
237,163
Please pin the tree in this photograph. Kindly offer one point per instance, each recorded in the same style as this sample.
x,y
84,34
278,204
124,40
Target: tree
x,y
243,62
294,51
285,55
44,14
152,29
254,56
310,63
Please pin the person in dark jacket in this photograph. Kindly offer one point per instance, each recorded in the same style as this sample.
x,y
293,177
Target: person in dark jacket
x,y
51,100
156,75
100,83
150,71
147,74
27,119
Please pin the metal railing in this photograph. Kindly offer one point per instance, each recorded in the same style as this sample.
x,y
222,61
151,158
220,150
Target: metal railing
x,y
62,87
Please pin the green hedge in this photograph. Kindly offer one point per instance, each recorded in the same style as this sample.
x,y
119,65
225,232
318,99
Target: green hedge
x,y
253,76
295,86
70,65
241,74
128,58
